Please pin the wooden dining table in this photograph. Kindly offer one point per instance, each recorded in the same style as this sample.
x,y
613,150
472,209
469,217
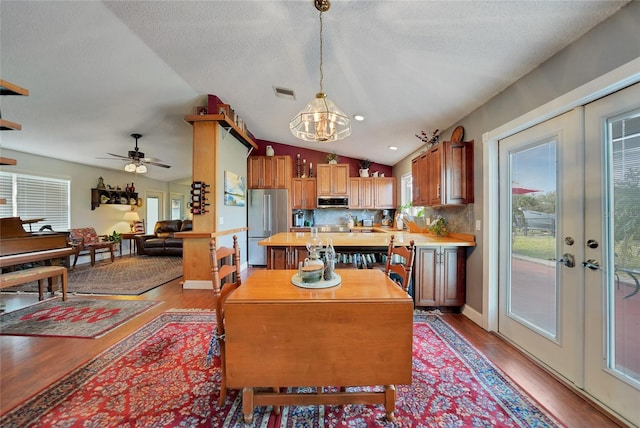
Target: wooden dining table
x,y
280,336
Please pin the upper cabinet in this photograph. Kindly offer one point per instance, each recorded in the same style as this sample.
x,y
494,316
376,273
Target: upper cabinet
x,y
7,88
303,193
372,192
268,172
444,175
333,179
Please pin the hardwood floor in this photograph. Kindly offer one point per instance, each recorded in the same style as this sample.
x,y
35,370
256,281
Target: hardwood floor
x,y
29,364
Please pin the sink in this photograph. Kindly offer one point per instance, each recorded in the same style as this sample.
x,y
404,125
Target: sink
x,y
333,229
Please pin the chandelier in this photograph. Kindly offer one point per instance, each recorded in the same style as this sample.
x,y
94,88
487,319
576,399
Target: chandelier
x,y
321,120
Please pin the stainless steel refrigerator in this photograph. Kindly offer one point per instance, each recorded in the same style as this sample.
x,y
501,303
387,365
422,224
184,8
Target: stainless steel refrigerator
x,y
267,215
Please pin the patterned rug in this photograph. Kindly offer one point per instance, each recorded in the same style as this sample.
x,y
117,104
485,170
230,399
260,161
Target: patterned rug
x,y
128,276
158,377
74,318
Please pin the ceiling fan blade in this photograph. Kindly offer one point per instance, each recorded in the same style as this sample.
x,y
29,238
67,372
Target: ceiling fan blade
x,y
120,159
118,156
158,164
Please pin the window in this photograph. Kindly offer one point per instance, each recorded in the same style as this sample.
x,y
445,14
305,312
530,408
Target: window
x,y
31,197
406,189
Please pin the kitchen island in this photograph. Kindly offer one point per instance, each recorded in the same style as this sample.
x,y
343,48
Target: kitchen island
x,y
439,273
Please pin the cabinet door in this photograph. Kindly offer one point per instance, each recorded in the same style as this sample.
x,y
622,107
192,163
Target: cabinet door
x,y
415,182
254,172
355,199
453,267
310,197
458,172
281,171
299,254
340,178
434,172
324,180
384,192
297,197
277,258
426,277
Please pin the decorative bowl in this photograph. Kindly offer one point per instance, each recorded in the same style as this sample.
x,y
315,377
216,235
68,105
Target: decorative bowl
x,y
311,273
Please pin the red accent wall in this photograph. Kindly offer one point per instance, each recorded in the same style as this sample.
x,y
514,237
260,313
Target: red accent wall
x,y
317,157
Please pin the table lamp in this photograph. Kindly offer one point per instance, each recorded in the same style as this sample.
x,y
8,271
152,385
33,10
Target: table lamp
x,y
131,217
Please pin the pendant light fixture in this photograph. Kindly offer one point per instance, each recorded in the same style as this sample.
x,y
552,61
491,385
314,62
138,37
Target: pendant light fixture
x,y
321,120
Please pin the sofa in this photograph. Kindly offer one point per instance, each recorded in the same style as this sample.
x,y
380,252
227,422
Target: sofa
x,y
163,242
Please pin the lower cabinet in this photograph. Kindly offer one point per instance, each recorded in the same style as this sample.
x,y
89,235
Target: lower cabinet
x,y
440,276
285,257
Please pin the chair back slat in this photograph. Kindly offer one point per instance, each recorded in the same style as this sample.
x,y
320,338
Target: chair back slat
x,y
401,270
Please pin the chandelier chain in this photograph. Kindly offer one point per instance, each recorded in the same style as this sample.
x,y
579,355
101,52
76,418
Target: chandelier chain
x,y
321,49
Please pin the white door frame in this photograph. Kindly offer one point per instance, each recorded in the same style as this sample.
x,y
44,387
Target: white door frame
x,y
604,85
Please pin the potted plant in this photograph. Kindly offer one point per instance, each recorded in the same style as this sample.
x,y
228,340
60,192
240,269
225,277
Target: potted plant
x,y
115,237
439,226
332,158
364,167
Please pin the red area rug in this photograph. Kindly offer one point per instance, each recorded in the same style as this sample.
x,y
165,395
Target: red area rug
x,y
73,318
158,377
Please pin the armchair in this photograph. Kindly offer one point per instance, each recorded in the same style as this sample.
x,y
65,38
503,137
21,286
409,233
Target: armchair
x,y
85,241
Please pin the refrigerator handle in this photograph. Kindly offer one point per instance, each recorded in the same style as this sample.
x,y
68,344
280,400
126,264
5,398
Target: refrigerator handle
x,y
269,210
264,213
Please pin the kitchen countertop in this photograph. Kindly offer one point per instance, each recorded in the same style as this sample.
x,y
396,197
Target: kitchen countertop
x,y
377,237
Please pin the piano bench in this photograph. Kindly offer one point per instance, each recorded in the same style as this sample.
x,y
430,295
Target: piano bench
x,y
39,274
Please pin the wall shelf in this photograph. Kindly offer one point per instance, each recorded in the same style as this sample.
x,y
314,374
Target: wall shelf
x,y
112,197
227,124
7,88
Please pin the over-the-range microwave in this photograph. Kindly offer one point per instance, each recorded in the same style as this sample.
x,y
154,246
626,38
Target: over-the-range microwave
x,y
333,202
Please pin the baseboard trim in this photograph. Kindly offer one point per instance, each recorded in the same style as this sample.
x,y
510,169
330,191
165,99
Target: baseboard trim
x,y
472,314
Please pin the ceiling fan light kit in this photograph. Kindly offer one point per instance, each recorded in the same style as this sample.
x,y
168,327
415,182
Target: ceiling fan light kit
x,y
321,120
137,163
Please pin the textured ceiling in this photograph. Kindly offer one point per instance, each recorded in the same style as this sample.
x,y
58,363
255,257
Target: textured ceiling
x,y
99,71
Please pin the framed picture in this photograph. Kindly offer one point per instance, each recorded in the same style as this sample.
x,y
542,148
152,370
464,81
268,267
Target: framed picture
x,y
234,189
223,109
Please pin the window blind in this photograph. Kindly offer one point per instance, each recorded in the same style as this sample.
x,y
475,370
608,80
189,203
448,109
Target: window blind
x,y
31,197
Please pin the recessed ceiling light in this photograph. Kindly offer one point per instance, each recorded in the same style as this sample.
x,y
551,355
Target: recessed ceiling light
x,y
358,117
393,148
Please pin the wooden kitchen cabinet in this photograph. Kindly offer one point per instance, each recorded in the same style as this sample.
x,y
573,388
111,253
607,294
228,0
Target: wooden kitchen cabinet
x,y
440,276
384,189
333,179
285,257
360,192
419,180
372,192
303,194
268,172
443,175
450,174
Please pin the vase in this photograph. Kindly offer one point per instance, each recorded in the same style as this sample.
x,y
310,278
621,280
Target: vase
x,y
269,151
333,161
364,172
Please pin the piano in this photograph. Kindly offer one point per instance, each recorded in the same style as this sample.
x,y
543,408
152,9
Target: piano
x,y
18,246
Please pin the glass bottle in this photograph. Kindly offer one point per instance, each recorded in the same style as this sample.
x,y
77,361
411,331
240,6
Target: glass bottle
x,y
330,255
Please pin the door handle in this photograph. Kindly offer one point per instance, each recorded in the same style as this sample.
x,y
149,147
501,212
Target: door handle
x,y
591,264
568,260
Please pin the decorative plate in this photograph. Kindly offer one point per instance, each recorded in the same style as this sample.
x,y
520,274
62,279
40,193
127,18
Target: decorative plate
x,y
132,201
335,280
124,200
104,199
139,202
458,134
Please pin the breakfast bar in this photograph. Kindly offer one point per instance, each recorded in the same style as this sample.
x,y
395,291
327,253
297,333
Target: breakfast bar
x,y
357,333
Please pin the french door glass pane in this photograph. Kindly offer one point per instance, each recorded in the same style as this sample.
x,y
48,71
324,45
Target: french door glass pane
x,y
623,315
532,297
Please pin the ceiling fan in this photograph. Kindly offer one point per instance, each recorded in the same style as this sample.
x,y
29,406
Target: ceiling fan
x,y
136,160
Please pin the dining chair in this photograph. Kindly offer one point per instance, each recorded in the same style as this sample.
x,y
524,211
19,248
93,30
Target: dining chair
x,y
400,272
226,278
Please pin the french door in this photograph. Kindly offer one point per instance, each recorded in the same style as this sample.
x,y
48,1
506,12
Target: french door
x,y
540,295
570,247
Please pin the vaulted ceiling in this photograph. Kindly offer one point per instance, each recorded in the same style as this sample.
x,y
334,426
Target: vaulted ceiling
x,y
98,71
